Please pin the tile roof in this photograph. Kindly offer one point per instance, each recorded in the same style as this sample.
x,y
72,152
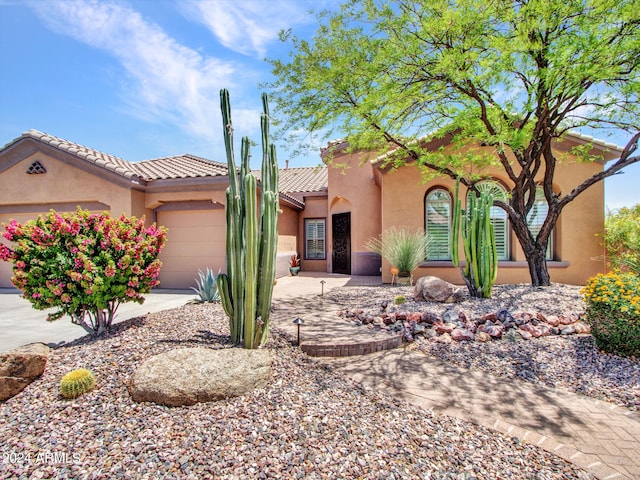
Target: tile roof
x,y
179,166
292,180
104,160
301,179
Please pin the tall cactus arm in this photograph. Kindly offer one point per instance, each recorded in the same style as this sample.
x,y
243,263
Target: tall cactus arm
x,y
251,260
222,280
455,228
227,128
268,260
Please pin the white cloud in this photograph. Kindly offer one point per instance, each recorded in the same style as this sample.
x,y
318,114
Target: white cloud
x,y
165,80
247,26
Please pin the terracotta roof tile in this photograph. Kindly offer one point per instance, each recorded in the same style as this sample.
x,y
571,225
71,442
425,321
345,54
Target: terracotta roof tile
x,y
301,179
179,166
109,162
292,180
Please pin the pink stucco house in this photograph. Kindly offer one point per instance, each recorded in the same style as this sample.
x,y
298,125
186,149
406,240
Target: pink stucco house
x,y
327,213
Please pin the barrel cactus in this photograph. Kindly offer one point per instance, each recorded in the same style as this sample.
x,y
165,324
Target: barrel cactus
x,y
76,383
481,266
252,235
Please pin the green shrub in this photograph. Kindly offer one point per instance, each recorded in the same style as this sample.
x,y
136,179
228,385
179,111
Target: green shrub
x,y
76,383
402,248
622,239
207,288
613,311
399,299
85,264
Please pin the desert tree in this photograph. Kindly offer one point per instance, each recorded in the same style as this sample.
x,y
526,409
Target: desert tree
x,y
513,75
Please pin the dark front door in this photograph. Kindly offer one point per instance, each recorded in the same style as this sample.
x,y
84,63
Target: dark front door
x,y
342,243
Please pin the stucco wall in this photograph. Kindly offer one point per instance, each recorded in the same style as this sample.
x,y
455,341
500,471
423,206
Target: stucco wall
x,y
578,252
287,238
355,190
62,183
315,207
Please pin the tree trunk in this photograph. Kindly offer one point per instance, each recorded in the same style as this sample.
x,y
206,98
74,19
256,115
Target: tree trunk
x,y
535,251
538,267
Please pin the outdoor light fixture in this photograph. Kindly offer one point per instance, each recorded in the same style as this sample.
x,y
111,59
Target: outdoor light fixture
x,y
322,292
298,322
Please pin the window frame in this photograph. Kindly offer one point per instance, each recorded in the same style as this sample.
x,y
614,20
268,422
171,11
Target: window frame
x,y
324,239
438,188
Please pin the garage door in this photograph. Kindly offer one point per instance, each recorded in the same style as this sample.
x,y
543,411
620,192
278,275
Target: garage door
x,y
196,241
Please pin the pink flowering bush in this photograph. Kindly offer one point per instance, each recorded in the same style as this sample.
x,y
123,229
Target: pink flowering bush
x,y
85,264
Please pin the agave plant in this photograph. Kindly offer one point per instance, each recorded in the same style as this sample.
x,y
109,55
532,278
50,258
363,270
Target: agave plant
x,y
207,287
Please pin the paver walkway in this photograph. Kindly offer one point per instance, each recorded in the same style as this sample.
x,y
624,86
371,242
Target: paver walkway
x,y
597,436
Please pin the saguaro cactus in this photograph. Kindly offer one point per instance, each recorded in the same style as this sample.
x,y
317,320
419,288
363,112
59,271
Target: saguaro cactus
x,y
481,258
252,237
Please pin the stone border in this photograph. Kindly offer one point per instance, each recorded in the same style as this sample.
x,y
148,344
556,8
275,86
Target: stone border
x,y
351,349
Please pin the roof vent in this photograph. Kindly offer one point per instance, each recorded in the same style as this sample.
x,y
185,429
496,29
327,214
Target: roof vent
x,y
36,168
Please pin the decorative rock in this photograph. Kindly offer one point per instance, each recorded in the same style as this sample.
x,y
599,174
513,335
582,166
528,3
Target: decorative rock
x,y
582,327
553,320
531,330
190,375
414,317
525,334
444,327
482,337
401,316
545,330
434,289
450,316
461,334
505,317
428,317
495,331
471,326
27,361
463,317
568,319
568,330
19,367
445,338
489,316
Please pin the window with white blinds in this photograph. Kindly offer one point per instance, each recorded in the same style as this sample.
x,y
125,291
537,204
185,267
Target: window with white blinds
x,y
437,210
536,216
314,238
498,216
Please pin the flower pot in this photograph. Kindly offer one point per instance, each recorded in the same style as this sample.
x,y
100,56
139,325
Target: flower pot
x,y
294,271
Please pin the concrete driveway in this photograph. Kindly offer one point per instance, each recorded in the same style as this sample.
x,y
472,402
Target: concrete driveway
x,y
20,323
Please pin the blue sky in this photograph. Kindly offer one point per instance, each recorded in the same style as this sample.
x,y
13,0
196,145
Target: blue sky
x,y
141,78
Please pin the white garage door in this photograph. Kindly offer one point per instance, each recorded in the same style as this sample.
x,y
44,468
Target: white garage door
x,y
196,241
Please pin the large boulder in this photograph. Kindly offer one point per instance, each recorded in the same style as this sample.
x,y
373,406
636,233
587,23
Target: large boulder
x,y
191,375
20,367
434,289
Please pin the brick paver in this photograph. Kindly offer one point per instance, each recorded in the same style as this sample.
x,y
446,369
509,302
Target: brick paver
x,y
599,437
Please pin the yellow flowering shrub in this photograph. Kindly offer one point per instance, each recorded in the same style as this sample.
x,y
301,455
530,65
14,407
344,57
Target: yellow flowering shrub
x,y
613,311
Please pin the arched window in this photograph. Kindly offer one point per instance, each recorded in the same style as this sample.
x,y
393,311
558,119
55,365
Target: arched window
x,y
499,217
437,211
536,216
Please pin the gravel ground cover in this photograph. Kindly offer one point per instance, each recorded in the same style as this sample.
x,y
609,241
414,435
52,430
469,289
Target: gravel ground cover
x,y
571,362
308,423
